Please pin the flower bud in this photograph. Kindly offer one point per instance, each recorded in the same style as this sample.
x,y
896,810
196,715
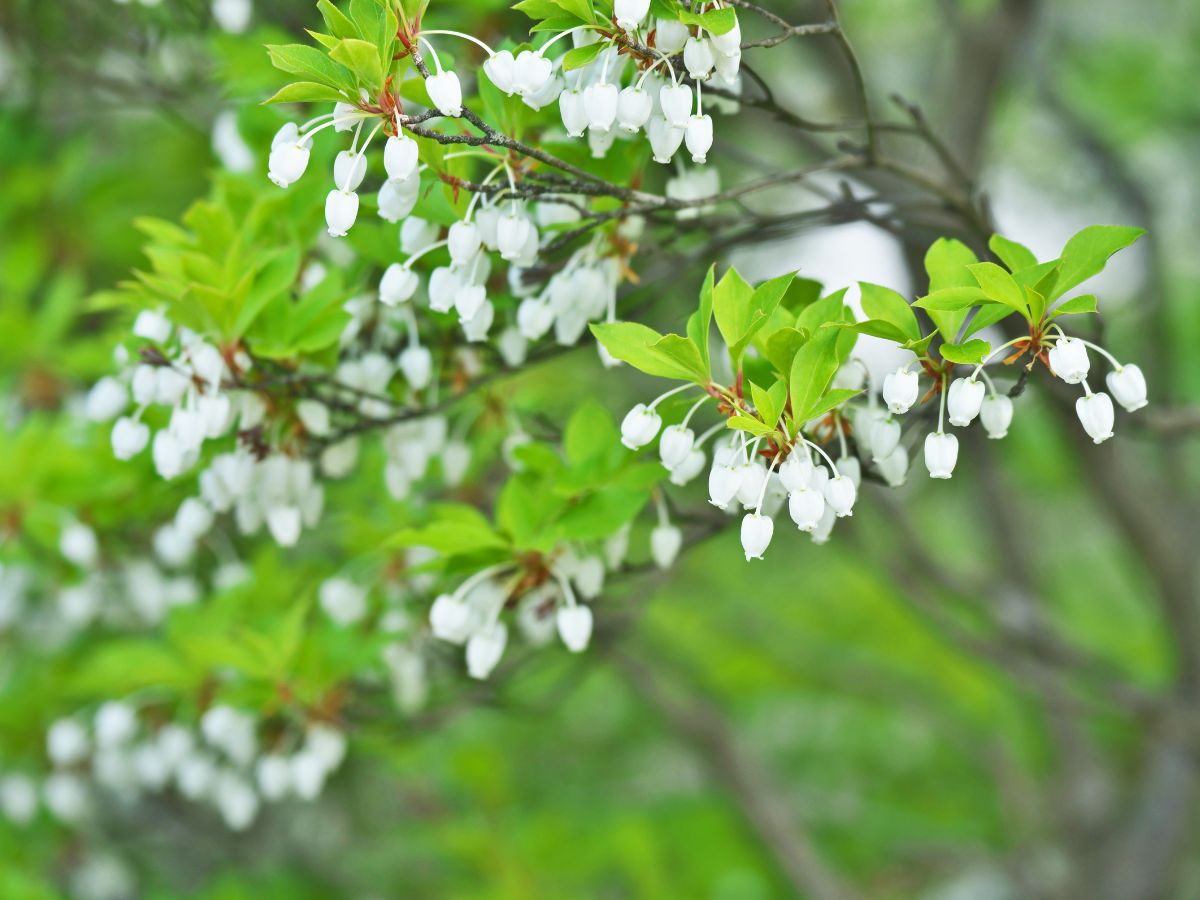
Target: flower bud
x,y
284,523
1096,413
676,103
152,326
851,468
451,619
397,198
1128,386
78,545
463,242
600,105
342,600
900,390
639,427
443,286
757,531
699,137
512,235
445,92
633,108
665,543
341,210
534,318
883,437
485,648
476,328
996,413
400,157
894,467
273,775
698,57
194,518
170,457
499,69
629,13
675,445
1069,360
840,494
574,626
964,400
468,300
349,170
692,465
416,234
106,400
941,453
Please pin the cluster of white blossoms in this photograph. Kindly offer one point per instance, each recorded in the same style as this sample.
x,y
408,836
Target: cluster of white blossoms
x,y
221,763
965,399
470,615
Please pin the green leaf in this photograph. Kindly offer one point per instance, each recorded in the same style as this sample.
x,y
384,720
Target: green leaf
x,y
953,298
946,264
538,9
634,343
578,57
812,371
682,351
831,400
1036,303
972,352
306,92
731,306
1015,256
700,322
336,21
1084,303
451,538
781,346
880,302
1088,251
311,64
750,424
988,314
1000,286
718,21
581,9
361,58
764,404
590,434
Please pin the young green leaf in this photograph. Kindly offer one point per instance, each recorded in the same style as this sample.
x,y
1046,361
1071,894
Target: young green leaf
x,y
361,58
812,371
953,299
880,302
1088,251
634,343
1000,286
700,322
307,92
1084,303
972,352
1015,256
684,353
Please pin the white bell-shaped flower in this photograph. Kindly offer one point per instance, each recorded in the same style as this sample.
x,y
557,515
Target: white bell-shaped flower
x,y
194,518
1095,412
284,523
152,326
416,364
900,390
665,543
398,197
487,218
600,142
451,619
840,493
534,318
106,400
444,283
630,13
342,600
344,117
314,415
883,437
513,347
675,445
675,100
806,506
67,742
273,775
400,157
698,57
464,242
416,234
1128,386
574,626
820,534
730,42
757,531
996,413
288,162
665,139
941,453
398,284
894,467
485,648
445,92
170,457
468,300
1069,360
77,543
723,484
640,426
349,170
129,438
512,235
341,210
728,67
600,105
670,36
751,476
692,465
699,137
634,106
545,95
170,385
476,328
964,401
573,111
531,71
499,68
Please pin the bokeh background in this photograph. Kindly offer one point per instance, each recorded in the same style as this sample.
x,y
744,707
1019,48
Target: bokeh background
x,y
963,696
